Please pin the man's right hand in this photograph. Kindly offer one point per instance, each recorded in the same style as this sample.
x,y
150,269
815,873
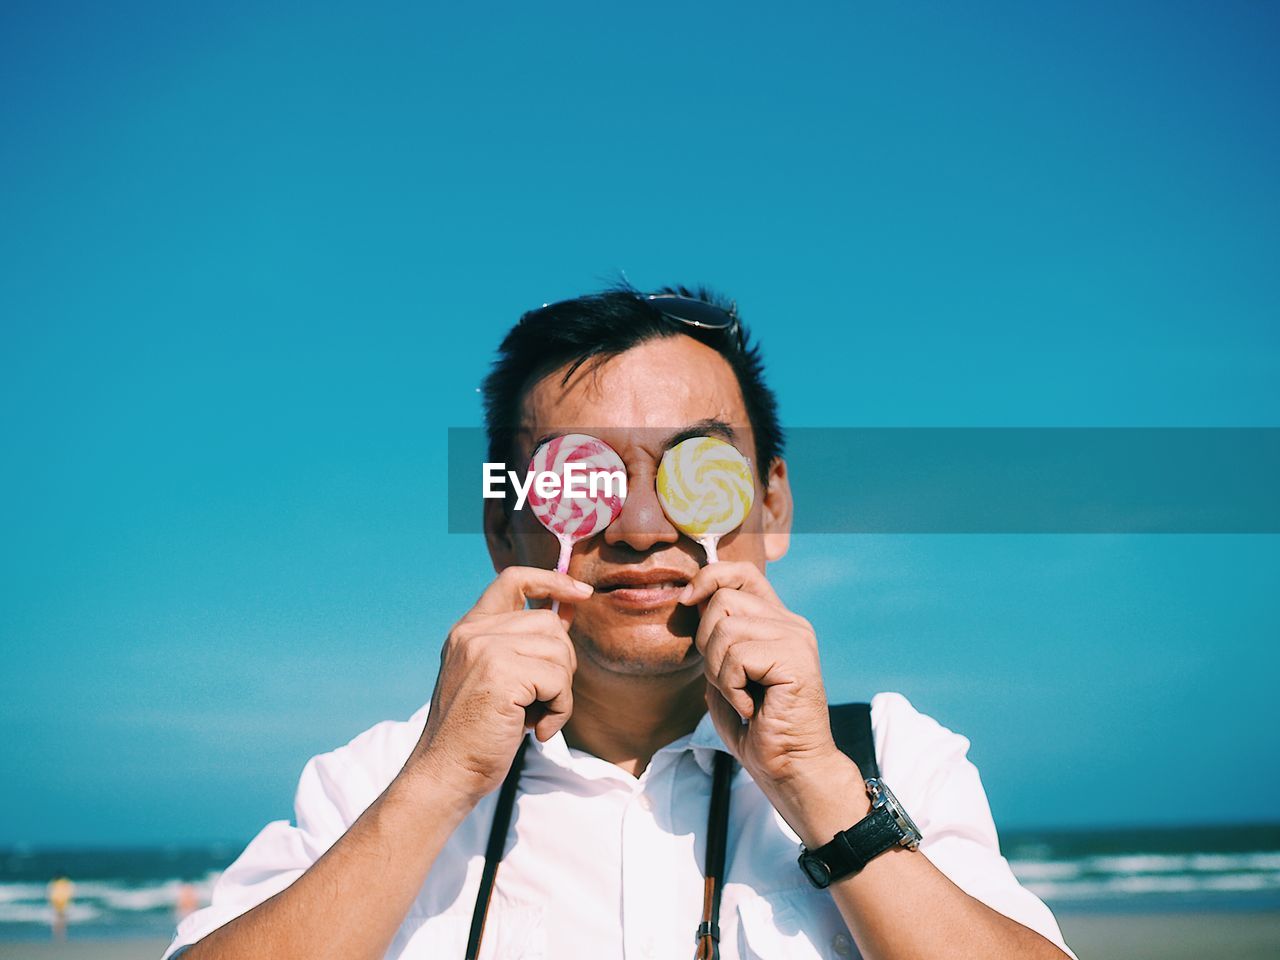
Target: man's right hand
x,y
503,670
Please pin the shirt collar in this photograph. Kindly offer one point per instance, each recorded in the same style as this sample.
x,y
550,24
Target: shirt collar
x,y
703,742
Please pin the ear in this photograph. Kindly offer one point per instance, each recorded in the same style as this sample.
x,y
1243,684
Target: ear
x,y
498,534
776,509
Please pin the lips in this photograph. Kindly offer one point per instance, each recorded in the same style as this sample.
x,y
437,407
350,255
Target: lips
x,y
641,589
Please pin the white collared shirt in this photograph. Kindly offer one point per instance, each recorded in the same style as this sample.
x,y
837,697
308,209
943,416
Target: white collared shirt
x,y
602,864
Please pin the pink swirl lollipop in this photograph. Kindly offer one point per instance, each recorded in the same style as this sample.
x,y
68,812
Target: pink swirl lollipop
x,y
590,493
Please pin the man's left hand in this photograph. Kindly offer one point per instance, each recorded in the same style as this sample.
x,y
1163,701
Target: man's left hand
x,y
762,667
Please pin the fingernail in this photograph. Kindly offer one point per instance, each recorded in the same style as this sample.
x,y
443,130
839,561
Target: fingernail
x,y
685,594
583,588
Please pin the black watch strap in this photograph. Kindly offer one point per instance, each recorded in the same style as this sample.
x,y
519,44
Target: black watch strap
x,y
852,849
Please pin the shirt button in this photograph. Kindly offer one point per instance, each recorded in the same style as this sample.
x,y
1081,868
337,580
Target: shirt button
x,y
842,945
645,802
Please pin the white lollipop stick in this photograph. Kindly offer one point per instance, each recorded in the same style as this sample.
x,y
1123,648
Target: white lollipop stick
x,y
562,565
709,545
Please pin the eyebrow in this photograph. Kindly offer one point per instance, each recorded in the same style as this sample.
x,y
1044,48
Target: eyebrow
x,y
703,428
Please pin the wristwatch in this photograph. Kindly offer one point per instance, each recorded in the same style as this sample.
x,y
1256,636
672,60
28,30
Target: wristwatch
x,y
885,827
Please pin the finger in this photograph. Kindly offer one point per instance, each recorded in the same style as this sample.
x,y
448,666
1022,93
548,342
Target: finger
x,y
750,666
728,630
515,585
564,612
716,610
727,722
728,575
725,635
724,603
553,646
560,618
539,622
731,687
492,639
550,687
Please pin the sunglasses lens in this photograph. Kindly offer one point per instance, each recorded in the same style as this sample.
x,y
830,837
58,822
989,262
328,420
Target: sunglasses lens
x,y
695,312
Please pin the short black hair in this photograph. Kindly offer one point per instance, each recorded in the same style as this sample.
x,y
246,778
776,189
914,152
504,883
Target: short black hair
x,y
602,325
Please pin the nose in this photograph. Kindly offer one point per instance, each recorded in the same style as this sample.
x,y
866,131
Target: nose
x,y
642,524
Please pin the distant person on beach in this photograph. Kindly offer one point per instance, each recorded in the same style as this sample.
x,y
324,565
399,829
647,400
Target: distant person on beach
x,y
187,901
683,792
61,891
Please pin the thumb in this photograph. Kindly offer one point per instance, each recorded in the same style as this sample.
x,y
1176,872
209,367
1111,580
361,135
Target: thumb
x,y
728,721
565,611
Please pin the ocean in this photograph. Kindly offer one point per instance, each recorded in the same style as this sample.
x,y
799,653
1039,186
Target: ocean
x,y
134,892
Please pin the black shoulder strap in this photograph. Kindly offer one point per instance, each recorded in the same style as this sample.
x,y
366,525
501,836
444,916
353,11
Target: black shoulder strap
x,y
851,728
493,852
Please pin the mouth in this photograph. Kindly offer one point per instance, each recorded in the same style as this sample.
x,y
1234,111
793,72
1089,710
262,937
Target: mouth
x,y
642,590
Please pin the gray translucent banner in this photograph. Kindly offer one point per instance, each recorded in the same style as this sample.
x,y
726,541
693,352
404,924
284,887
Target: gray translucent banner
x,y
998,480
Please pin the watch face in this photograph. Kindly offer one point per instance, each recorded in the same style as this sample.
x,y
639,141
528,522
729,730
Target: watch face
x,y
911,835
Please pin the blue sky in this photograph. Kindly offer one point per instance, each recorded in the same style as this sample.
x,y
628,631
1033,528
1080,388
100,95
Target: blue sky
x,y
254,261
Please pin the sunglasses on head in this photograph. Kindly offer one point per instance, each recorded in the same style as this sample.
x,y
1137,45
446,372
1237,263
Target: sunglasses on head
x,y
694,313
690,312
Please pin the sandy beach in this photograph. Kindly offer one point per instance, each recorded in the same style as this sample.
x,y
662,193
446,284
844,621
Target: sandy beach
x,y
1175,936
85,950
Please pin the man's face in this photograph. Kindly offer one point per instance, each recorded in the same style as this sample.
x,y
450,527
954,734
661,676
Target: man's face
x,y
640,402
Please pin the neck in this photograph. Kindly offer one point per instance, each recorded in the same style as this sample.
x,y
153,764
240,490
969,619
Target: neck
x,y
626,719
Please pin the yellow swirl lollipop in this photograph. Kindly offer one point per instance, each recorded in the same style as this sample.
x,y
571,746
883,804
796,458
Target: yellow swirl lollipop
x,y
706,489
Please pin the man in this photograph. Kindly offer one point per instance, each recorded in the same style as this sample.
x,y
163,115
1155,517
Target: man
x,y
654,661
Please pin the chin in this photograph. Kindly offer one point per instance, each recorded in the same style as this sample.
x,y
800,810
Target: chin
x,y
650,650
